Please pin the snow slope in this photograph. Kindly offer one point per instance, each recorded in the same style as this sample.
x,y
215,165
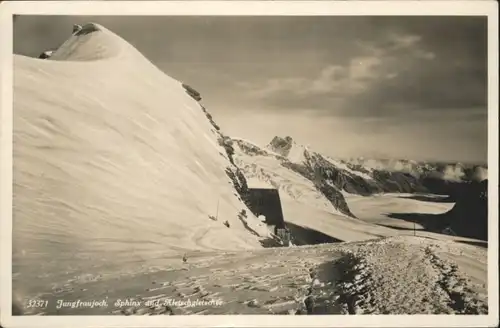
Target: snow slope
x,y
398,275
113,164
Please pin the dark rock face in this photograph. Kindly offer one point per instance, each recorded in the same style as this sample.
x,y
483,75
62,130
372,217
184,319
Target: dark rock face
x,y
324,186
326,171
232,171
227,143
192,92
469,216
335,197
266,202
86,29
210,118
239,182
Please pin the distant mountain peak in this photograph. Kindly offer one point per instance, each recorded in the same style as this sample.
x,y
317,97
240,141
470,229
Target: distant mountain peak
x,y
287,147
281,145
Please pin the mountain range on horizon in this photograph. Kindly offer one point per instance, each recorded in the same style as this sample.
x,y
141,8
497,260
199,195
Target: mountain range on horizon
x,y
336,179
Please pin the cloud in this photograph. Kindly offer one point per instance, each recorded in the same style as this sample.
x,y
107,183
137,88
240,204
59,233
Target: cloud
x,y
388,74
403,86
375,63
349,66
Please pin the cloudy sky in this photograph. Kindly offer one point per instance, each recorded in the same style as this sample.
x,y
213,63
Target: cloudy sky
x,y
404,87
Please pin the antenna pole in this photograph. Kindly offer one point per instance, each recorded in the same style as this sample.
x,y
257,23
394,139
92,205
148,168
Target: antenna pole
x,y
217,214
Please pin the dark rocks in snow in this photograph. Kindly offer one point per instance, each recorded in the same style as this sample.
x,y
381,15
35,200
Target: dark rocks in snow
x,y
192,92
249,149
469,216
209,116
331,192
335,197
309,303
77,28
239,181
227,143
233,172
46,54
281,146
86,29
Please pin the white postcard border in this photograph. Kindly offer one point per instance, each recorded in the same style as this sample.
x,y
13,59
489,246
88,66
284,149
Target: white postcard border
x,y
267,8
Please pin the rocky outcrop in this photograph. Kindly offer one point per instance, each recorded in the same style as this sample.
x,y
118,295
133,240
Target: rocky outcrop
x,y
251,149
46,54
85,29
210,118
192,92
335,197
281,146
233,172
328,172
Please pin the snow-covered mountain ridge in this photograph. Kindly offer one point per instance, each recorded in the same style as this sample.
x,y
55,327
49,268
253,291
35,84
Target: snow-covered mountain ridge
x,y
115,160
365,176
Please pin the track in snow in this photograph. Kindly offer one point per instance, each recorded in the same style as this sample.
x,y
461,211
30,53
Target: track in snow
x,y
399,275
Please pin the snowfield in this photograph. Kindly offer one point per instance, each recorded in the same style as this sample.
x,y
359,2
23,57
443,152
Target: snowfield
x,y
113,163
118,173
397,275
